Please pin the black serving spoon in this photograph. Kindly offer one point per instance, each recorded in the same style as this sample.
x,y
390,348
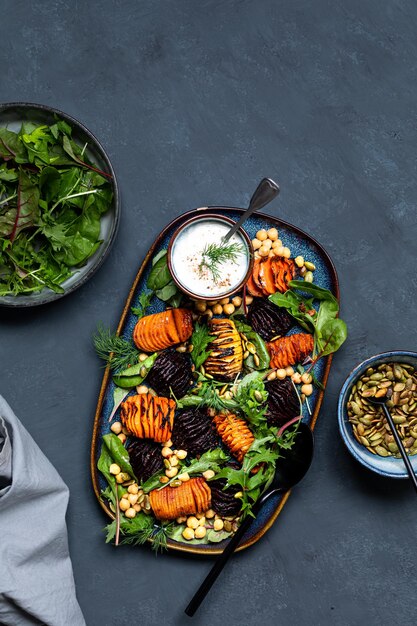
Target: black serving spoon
x,y
265,192
382,402
290,469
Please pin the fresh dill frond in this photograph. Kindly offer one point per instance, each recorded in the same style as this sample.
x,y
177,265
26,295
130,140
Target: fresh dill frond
x,y
157,533
114,350
215,254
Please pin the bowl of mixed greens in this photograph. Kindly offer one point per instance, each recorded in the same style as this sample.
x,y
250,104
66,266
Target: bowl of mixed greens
x,y
59,204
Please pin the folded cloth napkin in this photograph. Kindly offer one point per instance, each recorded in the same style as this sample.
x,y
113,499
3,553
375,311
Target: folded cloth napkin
x,y
36,580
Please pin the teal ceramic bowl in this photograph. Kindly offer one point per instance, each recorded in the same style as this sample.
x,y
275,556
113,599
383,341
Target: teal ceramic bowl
x,y
390,467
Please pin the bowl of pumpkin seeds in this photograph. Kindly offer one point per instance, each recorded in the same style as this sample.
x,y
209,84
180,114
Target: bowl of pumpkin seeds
x,y
364,429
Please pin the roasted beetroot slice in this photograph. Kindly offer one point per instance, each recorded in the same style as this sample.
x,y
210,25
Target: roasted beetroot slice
x,y
171,370
145,458
224,502
194,431
283,403
269,320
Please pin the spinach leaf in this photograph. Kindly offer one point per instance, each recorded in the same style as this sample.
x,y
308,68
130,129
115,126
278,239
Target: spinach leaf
x,y
333,335
166,293
118,453
159,275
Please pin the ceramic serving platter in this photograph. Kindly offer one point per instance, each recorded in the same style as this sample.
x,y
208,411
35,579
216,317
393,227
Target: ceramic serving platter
x,y
12,115
325,276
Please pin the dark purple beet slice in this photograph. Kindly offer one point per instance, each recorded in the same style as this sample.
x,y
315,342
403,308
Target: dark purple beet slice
x,y
145,458
171,370
283,403
193,431
224,502
269,320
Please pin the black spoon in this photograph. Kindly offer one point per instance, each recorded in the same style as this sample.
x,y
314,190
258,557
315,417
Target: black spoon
x,y
290,469
407,463
265,192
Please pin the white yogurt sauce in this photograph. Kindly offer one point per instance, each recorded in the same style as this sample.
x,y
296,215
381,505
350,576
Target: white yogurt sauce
x,y
187,255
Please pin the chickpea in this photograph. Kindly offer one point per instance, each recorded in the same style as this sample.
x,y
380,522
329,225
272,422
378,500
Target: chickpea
x,y
124,504
229,309
171,473
208,474
142,357
163,479
130,513
181,520
114,469
168,443
263,251
299,261
271,254
256,244
286,253
272,375
116,428
188,534
224,301
273,234
296,378
174,460
249,300
218,524
279,250
289,370
166,452
202,521
307,390
137,507
201,306
184,477
262,235
306,378
200,532
267,244
121,477
192,522
237,301
122,437
133,498
210,514
277,244
217,309
181,454
133,488
142,389
281,374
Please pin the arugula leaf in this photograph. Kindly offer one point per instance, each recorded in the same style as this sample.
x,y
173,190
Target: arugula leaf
x,y
144,302
212,459
200,340
251,396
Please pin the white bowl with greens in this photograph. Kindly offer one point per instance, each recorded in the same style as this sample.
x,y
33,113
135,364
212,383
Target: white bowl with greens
x,y
59,204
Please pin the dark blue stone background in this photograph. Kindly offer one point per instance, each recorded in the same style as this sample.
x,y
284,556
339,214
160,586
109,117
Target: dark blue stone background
x,y
195,102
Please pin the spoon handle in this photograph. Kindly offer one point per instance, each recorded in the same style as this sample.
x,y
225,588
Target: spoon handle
x,y
220,562
265,192
401,448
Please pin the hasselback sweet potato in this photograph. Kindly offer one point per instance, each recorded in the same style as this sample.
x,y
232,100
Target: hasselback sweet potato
x,y
226,355
271,274
234,433
289,350
162,330
193,496
148,417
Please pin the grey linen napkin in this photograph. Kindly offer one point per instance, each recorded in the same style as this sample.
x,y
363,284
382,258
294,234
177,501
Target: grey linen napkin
x,y
36,580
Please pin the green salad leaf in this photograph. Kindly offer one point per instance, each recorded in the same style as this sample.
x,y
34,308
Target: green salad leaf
x,y
200,340
133,376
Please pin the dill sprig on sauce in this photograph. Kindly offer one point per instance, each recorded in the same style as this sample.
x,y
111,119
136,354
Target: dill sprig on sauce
x,y
215,254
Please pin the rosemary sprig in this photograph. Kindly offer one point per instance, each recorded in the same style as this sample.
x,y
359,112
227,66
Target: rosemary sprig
x,y
113,349
215,254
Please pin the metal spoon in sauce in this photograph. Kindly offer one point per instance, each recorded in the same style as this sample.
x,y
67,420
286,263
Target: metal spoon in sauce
x,y
265,192
290,468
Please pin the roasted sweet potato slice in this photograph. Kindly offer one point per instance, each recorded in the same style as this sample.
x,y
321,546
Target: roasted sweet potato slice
x,y
148,417
162,330
290,350
252,288
188,498
266,277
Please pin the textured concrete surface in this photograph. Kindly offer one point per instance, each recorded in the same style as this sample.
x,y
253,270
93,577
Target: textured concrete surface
x,y
195,102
